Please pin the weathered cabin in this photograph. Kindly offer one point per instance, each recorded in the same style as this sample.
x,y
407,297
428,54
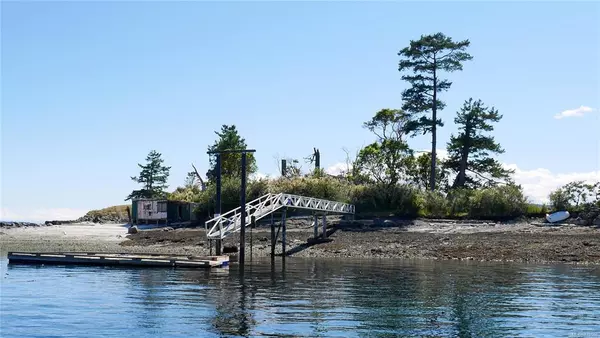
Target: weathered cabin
x,y
162,211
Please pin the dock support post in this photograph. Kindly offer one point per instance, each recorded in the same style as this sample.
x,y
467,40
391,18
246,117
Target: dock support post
x,y
252,225
243,213
324,225
283,239
272,237
218,247
316,225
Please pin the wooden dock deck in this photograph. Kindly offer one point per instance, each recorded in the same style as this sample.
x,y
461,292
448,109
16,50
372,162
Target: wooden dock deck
x,y
126,259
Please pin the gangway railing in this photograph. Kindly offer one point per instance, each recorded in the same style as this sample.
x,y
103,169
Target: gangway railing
x,y
230,222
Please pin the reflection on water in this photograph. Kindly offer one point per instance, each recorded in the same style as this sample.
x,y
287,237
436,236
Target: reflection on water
x,y
304,297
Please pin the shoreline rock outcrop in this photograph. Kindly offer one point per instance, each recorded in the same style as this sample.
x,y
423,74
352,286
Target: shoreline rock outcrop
x,y
19,224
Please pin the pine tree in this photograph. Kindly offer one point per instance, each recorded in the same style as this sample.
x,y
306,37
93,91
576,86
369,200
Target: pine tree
x,y
153,178
231,164
470,151
426,58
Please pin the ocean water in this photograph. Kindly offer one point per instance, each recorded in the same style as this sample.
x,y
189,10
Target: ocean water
x,y
303,297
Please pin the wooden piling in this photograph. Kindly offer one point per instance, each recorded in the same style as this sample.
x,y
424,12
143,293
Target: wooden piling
x,y
272,236
243,212
316,225
283,237
252,225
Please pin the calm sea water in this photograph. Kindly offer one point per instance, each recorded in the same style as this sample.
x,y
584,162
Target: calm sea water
x,y
316,298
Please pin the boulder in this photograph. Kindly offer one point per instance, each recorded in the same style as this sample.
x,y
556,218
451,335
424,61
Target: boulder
x,y
133,230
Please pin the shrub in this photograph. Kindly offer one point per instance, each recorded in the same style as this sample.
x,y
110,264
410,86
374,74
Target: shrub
x,y
186,194
534,210
400,200
230,194
373,199
560,200
328,188
499,202
459,201
433,204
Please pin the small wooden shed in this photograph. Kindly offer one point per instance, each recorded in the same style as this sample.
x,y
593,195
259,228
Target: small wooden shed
x,y
162,211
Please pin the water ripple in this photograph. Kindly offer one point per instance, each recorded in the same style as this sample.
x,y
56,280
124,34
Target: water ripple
x,y
316,298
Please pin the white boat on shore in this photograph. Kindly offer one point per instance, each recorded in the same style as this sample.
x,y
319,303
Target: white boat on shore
x,y
558,216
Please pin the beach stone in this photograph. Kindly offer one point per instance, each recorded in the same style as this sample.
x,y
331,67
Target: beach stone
x,y
133,230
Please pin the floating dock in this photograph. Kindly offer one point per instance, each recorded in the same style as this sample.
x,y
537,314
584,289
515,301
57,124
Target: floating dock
x,y
119,259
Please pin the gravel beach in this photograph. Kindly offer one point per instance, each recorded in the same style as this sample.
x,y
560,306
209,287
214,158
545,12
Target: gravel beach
x,y
479,241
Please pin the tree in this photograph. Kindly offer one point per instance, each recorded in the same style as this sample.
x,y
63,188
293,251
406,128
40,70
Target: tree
x,y
575,196
190,179
231,164
470,150
383,161
419,168
426,58
153,177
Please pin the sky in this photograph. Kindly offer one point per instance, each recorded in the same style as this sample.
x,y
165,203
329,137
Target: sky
x,y
89,88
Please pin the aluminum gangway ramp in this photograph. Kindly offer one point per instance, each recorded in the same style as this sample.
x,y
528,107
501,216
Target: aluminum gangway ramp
x,y
230,222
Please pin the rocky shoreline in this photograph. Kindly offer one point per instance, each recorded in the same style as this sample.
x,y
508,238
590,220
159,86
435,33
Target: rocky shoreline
x,y
32,224
420,239
87,219
380,238
19,224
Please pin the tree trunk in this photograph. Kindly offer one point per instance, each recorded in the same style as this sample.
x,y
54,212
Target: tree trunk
x,y
461,178
433,129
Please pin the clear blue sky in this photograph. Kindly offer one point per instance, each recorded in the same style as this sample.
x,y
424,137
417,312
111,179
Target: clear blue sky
x,y
89,88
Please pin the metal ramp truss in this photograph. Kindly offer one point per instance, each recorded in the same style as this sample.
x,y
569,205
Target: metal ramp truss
x,y
230,222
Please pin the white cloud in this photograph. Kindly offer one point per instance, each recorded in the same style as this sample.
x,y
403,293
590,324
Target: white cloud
x,y
539,183
573,112
41,215
337,169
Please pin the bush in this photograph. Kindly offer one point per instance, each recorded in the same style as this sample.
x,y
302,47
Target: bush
x,y
186,194
373,199
534,210
500,202
400,200
230,194
434,204
459,201
328,188
560,200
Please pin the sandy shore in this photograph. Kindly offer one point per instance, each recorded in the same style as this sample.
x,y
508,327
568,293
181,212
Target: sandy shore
x,y
76,237
524,242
